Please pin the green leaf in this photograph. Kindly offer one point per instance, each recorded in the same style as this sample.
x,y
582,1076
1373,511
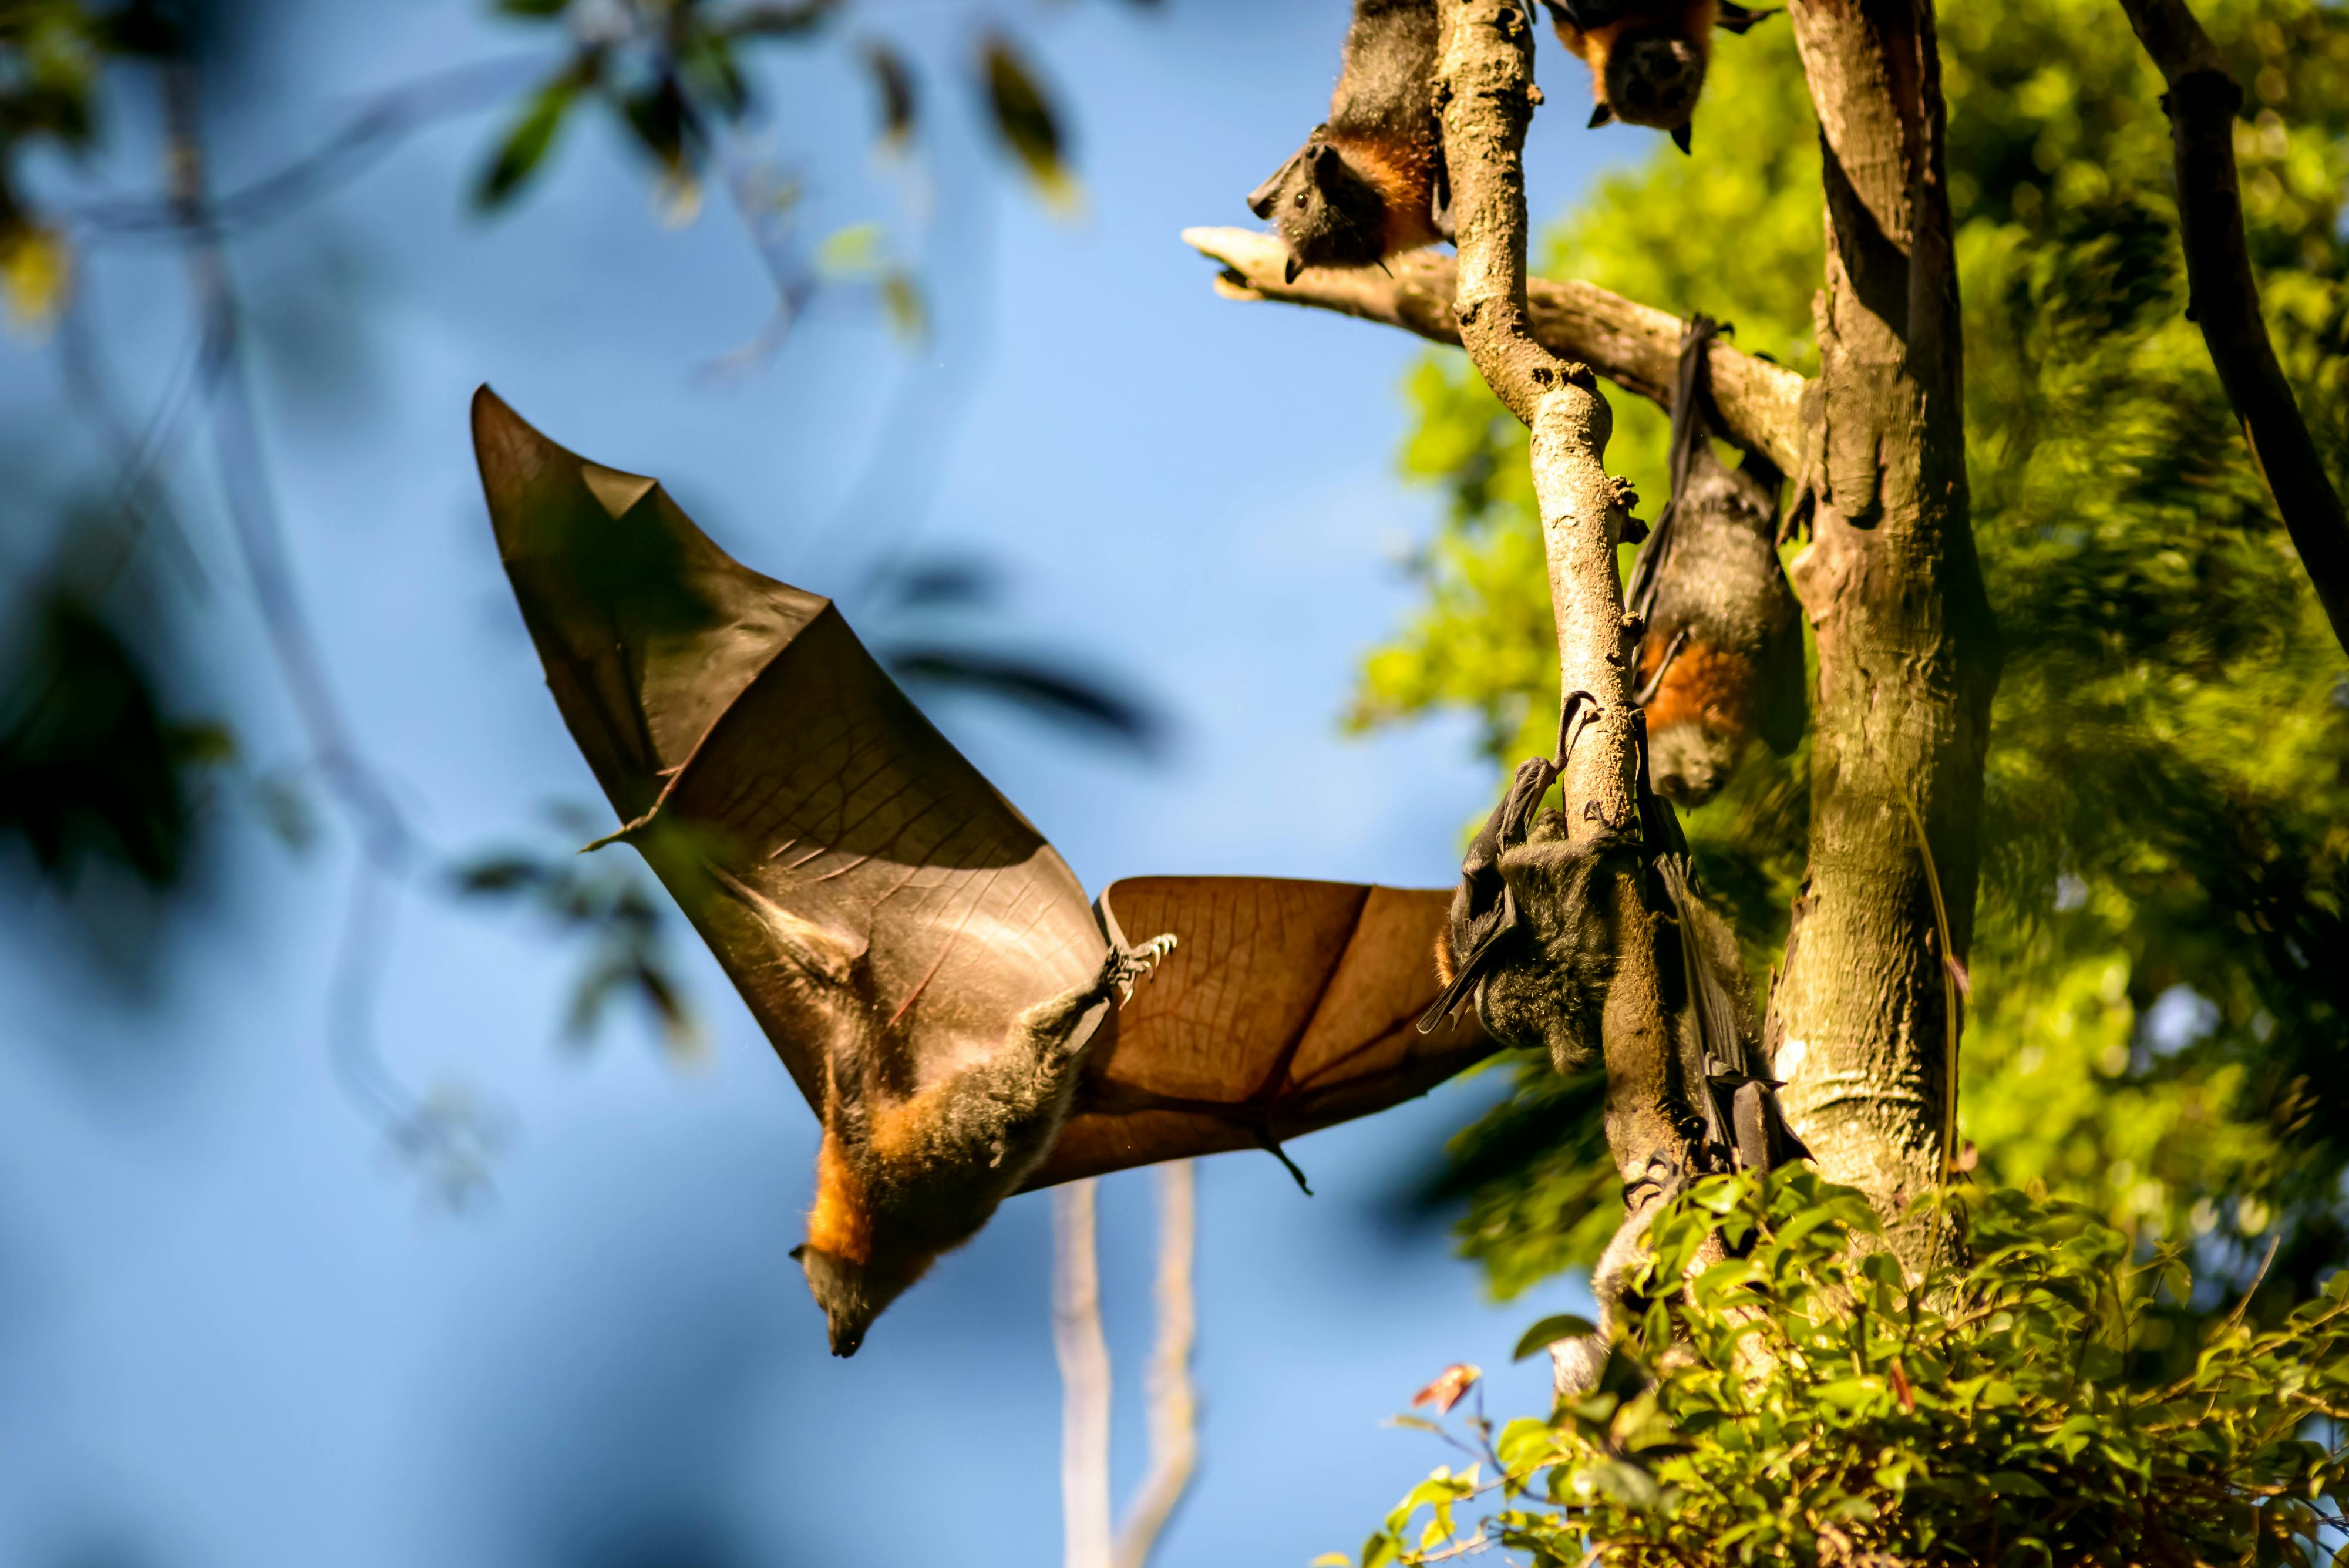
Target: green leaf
x,y
1024,119
527,142
893,80
1549,1331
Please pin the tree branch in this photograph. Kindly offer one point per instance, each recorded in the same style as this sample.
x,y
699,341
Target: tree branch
x,y
1084,1378
1173,1409
1484,92
2202,102
1635,346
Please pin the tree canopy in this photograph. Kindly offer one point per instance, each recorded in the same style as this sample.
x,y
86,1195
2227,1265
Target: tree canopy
x,y
2152,1025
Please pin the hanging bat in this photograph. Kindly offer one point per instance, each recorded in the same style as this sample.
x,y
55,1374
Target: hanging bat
x,y
1370,180
1646,58
1535,934
925,964
1720,660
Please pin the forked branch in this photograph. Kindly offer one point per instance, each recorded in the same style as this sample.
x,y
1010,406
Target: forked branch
x,y
1633,345
2202,102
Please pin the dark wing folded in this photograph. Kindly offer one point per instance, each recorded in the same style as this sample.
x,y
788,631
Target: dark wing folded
x,y
1288,1007
834,849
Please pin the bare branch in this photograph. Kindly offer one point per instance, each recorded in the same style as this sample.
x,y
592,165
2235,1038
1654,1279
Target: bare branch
x,y
1483,91
2202,102
1633,345
1084,1378
1173,1409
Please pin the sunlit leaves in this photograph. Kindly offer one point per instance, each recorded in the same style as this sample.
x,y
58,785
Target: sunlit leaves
x,y
1797,1398
36,271
2167,784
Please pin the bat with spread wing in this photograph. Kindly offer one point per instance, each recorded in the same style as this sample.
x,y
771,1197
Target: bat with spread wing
x,y
925,963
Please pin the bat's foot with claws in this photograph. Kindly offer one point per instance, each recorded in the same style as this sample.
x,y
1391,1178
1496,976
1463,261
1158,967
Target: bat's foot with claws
x,y
1128,965
1123,966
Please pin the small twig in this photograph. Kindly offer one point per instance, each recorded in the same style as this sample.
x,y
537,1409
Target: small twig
x,y
2250,1290
2224,297
370,133
1948,996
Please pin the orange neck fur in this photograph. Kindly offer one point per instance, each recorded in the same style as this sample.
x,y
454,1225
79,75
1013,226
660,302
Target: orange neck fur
x,y
839,1222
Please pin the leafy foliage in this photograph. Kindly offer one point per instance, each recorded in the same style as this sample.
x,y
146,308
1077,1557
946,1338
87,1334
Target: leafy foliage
x,y
92,768
607,902
2167,830
1789,1398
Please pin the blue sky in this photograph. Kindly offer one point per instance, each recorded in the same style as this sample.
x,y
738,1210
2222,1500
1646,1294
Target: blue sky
x,y
232,1328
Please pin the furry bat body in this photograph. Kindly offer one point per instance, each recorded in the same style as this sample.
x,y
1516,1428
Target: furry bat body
x,y
1533,939
1647,58
1370,180
1721,657
925,963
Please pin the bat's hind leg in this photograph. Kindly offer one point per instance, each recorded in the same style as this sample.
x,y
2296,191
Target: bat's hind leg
x,y
1125,965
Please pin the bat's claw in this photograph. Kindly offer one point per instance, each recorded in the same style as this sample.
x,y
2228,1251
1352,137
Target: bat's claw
x,y
1145,959
1126,965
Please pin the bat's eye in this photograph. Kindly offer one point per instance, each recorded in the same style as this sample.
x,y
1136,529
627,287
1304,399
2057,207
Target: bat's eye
x,y
1301,198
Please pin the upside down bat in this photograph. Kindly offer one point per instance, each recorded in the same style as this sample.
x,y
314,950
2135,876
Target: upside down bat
x,y
1646,58
925,964
1721,658
1534,935
1370,180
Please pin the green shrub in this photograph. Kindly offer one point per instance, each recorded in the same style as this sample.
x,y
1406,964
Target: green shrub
x,y
1797,1402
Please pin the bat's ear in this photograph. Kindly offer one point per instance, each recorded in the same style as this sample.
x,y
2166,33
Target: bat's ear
x,y
1681,136
1260,199
1600,115
1325,162
799,1254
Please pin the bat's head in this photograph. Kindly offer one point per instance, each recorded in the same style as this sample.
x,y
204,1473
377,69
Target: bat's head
x,y
1689,762
851,1293
1654,79
1327,214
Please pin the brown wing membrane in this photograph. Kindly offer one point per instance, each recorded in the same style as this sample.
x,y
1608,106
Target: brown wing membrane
x,y
1288,1007
829,844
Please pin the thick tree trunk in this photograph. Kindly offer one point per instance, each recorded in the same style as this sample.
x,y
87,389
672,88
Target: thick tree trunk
x,y
1860,1022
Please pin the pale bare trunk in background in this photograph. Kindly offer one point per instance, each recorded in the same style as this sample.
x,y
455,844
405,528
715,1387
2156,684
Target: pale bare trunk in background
x,y
1084,1377
1173,1409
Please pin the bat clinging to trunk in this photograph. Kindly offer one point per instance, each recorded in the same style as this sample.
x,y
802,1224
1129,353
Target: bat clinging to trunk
x,y
922,959
1721,657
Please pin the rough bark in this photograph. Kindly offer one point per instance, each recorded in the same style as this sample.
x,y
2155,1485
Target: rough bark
x,y
1633,345
1484,94
2202,102
1908,649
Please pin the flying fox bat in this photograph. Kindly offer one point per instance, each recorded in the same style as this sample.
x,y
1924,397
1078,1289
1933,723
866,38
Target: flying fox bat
x,y
926,965
1646,58
1371,180
1534,936
1721,658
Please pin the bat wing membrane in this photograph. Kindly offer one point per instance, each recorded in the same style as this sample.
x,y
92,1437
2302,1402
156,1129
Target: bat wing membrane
x,y
829,844
1288,1006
